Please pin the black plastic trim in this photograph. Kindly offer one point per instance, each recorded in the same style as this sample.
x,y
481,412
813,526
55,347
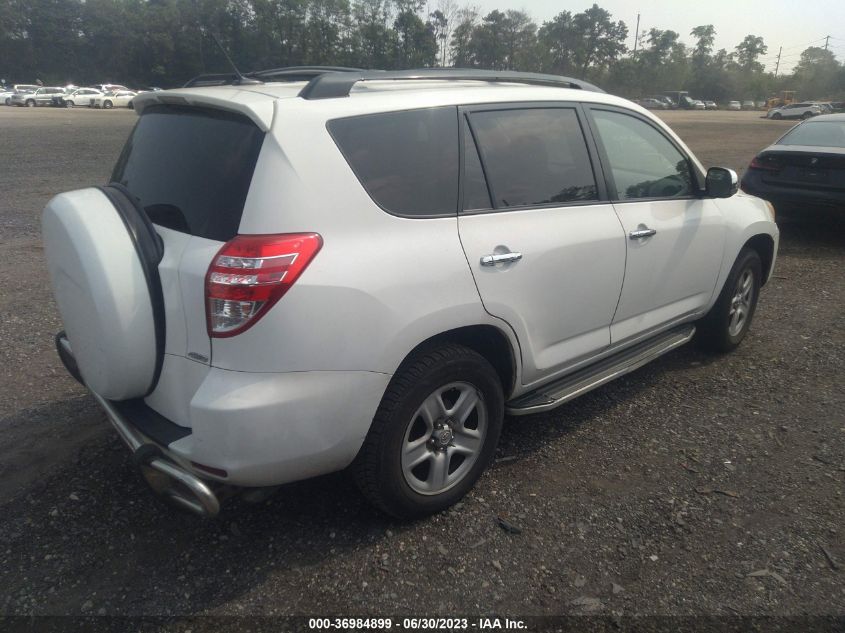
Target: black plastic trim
x,y
149,422
67,358
150,249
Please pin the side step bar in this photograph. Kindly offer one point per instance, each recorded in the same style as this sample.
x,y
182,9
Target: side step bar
x,y
565,389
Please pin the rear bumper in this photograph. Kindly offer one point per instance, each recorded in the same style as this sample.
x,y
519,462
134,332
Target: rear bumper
x,y
752,183
251,429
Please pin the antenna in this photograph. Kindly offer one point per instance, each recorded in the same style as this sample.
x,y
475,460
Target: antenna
x,y
241,78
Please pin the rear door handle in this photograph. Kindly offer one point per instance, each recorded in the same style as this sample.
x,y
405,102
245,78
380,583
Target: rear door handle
x,y
492,260
641,233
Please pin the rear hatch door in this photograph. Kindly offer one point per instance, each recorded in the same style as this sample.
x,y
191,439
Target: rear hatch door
x,y
190,169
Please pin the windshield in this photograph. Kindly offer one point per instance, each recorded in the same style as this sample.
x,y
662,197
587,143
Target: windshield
x,y
819,133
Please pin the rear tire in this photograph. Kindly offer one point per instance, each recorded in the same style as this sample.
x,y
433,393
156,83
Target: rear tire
x,y
30,103
806,115
777,116
433,434
728,321
107,105
69,104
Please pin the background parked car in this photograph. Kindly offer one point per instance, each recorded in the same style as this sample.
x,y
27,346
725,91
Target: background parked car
x,y
116,99
39,97
748,105
804,168
761,105
794,111
104,88
652,104
78,97
711,105
734,105
6,95
698,105
666,101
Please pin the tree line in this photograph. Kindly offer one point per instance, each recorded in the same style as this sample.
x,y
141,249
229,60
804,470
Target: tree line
x,y
166,42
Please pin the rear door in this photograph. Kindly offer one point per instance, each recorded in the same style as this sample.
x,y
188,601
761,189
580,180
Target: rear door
x,y
543,242
190,169
675,237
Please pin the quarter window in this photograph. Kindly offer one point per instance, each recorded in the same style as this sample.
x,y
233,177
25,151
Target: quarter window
x,y
643,162
407,161
534,156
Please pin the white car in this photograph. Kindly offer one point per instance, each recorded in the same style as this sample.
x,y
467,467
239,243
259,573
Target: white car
x,y
794,111
6,93
734,105
79,97
117,99
370,269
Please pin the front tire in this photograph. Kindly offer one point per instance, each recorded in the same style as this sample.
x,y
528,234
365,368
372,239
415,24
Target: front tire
x,y
777,116
806,115
107,105
69,104
728,321
433,434
30,103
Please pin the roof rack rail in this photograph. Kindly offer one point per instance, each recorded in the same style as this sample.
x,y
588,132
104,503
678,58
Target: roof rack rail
x,y
332,85
220,79
300,73
287,73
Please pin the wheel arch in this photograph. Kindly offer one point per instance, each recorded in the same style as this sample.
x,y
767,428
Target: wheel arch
x,y
487,340
764,244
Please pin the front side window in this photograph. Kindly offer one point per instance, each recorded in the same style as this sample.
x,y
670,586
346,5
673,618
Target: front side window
x,y
407,161
534,156
643,162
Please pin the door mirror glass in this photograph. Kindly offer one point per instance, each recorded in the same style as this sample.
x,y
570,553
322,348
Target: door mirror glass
x,y
721,182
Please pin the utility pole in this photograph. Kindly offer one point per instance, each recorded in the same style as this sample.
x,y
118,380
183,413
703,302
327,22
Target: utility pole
x,y
826,41
637,34
777,65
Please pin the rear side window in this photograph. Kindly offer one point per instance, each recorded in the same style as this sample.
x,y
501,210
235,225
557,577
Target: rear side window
x,y
190,169
534,156
407,161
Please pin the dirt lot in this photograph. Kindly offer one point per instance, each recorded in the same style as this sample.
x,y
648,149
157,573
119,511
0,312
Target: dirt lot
x,y
696,485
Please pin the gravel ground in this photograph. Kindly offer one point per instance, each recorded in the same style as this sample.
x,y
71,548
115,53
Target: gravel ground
x,y
696,485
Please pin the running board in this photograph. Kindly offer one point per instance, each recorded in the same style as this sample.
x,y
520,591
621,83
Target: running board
x,y
565,389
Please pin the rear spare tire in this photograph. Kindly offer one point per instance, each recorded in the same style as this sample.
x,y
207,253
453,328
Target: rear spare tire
x,y
103,255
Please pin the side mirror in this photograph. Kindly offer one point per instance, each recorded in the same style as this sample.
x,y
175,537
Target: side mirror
x,y
721,182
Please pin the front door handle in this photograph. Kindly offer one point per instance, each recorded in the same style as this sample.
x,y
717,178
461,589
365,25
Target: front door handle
x,y
492,260
641,233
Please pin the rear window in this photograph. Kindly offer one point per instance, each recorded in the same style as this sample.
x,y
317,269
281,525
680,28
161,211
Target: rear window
x,y
190,169
407,161
818,133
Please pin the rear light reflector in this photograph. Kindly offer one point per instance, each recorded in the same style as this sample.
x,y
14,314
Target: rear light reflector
x,y
765,163
250,274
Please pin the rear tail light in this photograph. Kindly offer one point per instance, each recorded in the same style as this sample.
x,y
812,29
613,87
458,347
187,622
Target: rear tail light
x,y
251,273
766,163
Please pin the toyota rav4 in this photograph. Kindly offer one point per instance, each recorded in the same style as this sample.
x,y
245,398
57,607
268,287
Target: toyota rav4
x,y
304,270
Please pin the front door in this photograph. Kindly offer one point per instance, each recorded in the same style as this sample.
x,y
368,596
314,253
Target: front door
x,y
675,237
544,244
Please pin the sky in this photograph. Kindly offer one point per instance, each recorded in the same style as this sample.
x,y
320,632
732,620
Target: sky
x,y
792,24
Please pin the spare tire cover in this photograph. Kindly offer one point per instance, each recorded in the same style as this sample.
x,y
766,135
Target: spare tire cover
x,y
106,289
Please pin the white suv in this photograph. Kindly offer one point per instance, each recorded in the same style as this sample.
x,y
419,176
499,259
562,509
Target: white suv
x,y
370,269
